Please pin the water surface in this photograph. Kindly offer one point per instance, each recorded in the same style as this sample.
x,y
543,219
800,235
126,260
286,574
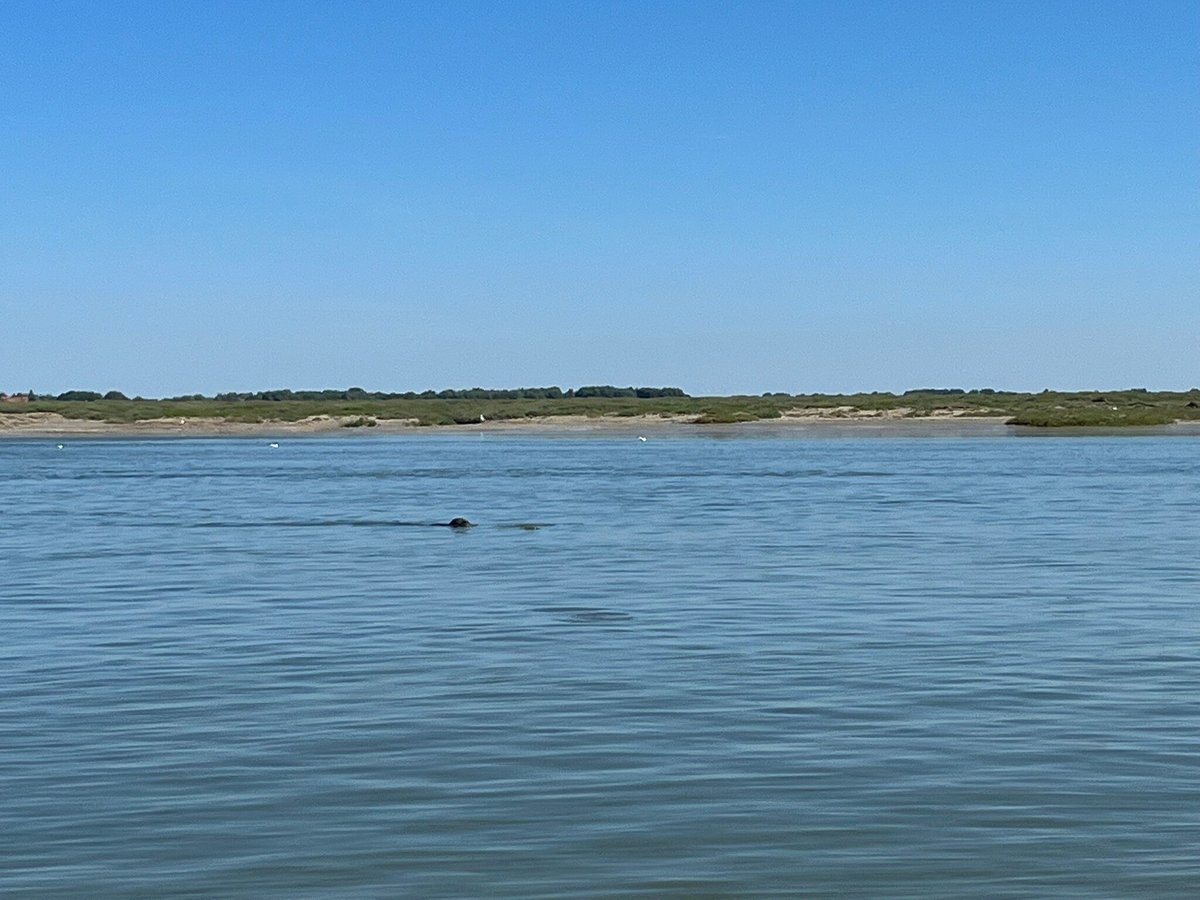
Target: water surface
x,y
879,667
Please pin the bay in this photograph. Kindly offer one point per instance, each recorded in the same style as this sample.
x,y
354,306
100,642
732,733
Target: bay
x,y
918,666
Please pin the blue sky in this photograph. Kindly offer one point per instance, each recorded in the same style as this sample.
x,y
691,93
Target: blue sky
x,y
727,197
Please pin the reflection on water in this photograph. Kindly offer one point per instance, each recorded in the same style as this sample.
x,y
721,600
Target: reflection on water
x,y
901,667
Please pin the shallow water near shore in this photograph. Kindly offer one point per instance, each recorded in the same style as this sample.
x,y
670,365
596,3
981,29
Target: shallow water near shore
x,y
883,666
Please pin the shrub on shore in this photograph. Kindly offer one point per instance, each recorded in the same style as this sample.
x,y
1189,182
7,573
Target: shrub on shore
x,y
1045,409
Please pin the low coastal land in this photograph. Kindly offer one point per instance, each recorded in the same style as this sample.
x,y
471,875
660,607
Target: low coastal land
x,y
55,425
285,412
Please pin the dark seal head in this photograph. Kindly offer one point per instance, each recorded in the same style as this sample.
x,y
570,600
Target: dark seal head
x,y
460,522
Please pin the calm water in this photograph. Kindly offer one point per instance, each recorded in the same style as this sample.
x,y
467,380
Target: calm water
x,y
878,667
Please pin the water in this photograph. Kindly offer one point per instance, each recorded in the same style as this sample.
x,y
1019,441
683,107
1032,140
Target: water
x,y
877,667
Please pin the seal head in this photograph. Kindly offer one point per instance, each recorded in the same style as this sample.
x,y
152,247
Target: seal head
x,y
460,522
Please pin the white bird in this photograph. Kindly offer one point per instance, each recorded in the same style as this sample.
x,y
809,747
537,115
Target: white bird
x,y
642,439
60,446
273,445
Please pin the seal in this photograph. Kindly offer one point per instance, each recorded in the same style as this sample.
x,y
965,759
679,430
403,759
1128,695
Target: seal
x,y
459,522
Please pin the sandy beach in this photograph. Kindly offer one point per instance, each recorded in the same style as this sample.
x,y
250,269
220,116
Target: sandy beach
x,y
43,424
822,422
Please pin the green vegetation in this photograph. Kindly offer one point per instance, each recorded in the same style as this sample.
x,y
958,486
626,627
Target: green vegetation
x,y
356,393
1047,409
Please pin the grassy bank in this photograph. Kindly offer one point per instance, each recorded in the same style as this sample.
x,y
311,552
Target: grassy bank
x,y
1047,409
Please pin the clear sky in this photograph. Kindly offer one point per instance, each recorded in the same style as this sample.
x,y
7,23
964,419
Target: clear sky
x,y
726,197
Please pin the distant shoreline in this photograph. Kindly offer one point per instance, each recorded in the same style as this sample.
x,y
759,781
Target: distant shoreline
x,y
817,423
313,411
55,425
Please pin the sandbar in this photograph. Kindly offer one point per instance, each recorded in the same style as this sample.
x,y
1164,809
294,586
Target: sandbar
x,y
45,424
815,422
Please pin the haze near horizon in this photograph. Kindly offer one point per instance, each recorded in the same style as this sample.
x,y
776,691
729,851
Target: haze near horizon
x,y
730,199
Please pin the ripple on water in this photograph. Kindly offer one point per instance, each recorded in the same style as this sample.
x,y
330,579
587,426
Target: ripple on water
x,y
927,667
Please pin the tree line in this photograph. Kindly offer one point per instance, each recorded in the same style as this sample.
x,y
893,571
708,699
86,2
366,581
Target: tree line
x,y
357,393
